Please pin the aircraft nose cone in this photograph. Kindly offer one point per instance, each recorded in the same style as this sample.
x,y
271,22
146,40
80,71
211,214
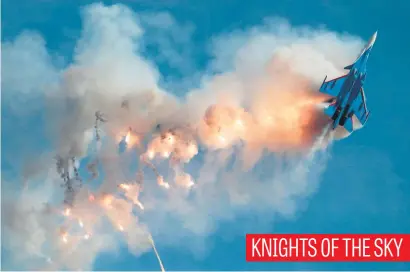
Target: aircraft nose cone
x,y
373,39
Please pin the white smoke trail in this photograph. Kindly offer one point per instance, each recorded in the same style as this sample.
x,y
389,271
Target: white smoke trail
x,y
156,253
219,163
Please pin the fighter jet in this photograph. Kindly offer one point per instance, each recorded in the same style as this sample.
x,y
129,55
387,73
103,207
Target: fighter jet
x,y
347,107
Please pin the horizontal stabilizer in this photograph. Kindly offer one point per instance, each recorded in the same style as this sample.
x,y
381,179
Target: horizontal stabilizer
x,y
349,125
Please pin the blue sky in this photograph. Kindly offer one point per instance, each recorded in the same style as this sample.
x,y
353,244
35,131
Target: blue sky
x,y
365,188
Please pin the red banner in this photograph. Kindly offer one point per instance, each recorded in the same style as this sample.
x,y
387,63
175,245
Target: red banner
x,y
328,247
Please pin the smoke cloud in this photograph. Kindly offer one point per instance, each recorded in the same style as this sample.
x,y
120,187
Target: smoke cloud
x,y
247,138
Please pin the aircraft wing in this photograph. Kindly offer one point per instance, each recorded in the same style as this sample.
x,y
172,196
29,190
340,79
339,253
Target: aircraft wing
x,y
361,110
334,86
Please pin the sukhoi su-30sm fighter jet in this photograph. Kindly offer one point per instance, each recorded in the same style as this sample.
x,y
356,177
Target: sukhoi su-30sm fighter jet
x,y
348,107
